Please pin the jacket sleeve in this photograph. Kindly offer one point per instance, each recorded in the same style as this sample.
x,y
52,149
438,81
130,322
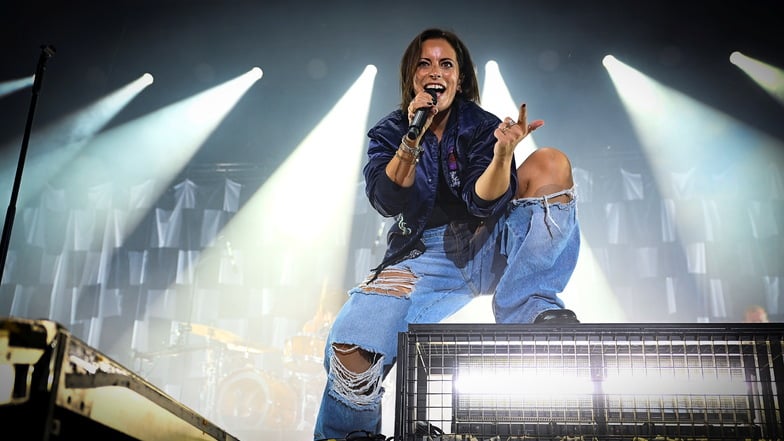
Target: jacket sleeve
x,y
387,197
480,145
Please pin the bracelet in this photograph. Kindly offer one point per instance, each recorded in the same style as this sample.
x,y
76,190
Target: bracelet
x,y
413,151
413,160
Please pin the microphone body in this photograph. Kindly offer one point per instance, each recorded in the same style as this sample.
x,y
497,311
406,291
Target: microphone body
x,y
419,118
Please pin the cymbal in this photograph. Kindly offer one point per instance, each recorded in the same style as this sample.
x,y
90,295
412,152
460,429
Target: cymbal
x,y
214,333
249,347
232,341
171,351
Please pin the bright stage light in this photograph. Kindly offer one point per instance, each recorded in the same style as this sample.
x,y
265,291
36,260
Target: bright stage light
x,y
646,93
146,153
52,147
698,154
499,383
676,129
769,77
297,225
497,99
11,86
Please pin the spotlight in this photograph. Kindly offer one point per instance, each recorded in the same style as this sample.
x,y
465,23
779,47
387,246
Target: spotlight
x,y
609,60
8,87
768,77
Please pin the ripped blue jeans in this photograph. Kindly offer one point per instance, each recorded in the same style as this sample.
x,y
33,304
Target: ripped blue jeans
x,y
524,259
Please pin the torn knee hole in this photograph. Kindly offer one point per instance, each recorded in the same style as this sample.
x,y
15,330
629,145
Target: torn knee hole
x,y
357,374
393,281
353,357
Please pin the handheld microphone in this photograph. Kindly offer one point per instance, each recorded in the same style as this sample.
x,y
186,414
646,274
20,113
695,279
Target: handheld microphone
x,y
420,117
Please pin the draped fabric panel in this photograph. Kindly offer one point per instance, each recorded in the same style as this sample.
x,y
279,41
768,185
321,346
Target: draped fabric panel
x,y
124,269
686,245
708,253
76,258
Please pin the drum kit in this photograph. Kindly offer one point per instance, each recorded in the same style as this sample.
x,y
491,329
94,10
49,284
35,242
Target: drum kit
x,y
257,399
243,396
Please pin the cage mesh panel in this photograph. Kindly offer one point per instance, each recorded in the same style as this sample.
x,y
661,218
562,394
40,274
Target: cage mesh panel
x,y
695,381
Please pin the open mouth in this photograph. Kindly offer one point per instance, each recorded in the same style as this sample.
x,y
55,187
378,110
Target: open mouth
x,y
439,89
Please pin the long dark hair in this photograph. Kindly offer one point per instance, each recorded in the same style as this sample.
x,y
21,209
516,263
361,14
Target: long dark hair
x,y
469,86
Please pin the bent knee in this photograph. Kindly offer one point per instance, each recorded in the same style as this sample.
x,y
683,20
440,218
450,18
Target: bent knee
x,y
545,171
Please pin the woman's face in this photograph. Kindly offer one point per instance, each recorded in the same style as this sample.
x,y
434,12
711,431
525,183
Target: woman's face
x,y
437,69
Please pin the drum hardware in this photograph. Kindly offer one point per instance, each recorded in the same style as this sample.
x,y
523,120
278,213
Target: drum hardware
x,y
252,399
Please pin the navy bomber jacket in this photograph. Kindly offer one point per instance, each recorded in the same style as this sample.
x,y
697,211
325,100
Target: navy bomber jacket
x,y
465,150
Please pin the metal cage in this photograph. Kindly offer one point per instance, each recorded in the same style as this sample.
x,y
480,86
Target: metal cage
x,y
604,381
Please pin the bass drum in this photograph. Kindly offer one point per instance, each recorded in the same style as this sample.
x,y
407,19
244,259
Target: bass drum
x,y
304,355
253,400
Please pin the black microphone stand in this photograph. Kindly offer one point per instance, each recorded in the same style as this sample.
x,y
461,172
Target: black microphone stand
x,y
46,53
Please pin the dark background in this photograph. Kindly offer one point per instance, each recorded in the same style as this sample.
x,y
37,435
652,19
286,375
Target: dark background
x,y
311,52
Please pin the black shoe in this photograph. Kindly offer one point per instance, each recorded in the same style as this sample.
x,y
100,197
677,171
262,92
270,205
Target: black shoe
x,y
556,317
426,429
363,435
